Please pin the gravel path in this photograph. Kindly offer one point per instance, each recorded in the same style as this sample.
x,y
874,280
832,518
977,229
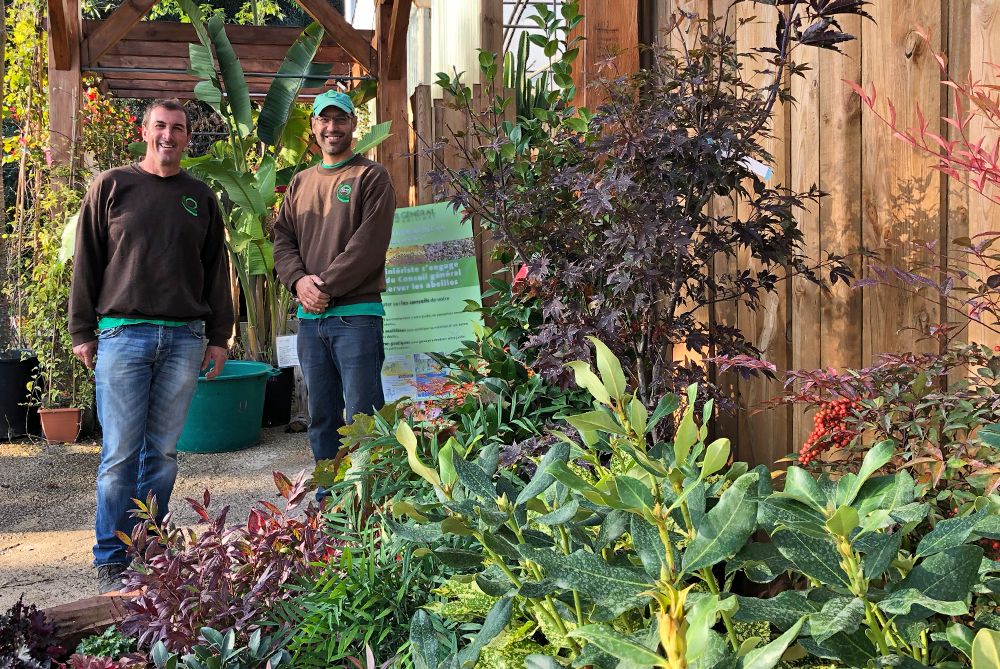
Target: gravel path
x,y
47,506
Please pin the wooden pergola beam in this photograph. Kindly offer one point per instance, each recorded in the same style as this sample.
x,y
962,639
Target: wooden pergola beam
x,y
114,28
60,40
353,42
398,27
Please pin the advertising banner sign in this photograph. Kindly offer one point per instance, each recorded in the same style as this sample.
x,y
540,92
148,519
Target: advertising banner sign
x,y
430,273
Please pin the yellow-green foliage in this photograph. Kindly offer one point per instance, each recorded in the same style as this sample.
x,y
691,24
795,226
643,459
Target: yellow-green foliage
x,y
465,601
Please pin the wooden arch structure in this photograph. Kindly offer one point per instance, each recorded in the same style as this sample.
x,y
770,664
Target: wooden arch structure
x,y
149,60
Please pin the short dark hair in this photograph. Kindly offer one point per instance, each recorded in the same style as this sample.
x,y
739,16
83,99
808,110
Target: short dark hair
x,y
173,104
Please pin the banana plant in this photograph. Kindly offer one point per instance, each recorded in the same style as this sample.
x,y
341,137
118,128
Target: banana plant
x,y
602,548
263,150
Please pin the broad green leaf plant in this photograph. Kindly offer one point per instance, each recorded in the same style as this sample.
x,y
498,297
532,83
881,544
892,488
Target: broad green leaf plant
x,y
609,551
880,591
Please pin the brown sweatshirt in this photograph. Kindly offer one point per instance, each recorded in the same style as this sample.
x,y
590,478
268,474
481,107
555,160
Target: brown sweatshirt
x,y
336,223
150,247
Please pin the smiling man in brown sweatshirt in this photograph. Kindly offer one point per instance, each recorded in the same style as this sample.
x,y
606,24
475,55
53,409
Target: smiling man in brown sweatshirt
x,y
150,305
330,242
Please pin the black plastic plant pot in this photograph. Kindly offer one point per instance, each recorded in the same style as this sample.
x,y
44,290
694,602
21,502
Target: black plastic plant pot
x,y
17,419
278,398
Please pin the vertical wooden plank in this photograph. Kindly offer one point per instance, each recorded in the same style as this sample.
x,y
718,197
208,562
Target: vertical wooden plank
x,y
902,195
491,36
728,424
609,29
807,328
423,123
985,48
840,152
391,104
765,436
64,89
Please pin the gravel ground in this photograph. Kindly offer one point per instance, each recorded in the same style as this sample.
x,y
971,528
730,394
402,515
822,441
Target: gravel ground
x,y
47,506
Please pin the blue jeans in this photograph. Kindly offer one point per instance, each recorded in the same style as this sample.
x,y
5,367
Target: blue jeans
x,y
341,360
146,375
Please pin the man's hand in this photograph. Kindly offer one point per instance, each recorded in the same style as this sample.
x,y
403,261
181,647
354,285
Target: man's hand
x,y
85,353
216,355
313,300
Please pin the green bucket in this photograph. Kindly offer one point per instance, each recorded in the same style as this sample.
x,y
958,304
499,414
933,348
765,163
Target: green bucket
x,y
225,414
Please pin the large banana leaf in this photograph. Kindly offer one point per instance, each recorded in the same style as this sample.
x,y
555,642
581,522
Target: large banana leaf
x,y
265,179
375,136
202,62
256,252
239,186
285,89
232,76
295,138
193,12
317,74
208,92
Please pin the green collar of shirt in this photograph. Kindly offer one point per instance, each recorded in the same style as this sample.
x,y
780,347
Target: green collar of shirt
x,y
108,322
338,164
360,309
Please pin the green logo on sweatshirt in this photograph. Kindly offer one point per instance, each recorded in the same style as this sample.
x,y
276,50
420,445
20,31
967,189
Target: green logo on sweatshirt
x,y
190,205
344,193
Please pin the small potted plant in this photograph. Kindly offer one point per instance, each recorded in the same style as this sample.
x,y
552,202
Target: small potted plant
x,y
62,387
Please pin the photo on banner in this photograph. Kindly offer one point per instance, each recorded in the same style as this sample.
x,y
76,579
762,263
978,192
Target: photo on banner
x,y
430,272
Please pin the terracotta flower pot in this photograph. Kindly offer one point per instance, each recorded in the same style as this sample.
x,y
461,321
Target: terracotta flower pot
x,y
61,426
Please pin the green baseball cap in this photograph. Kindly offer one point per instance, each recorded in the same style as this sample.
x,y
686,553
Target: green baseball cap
x,y
333,98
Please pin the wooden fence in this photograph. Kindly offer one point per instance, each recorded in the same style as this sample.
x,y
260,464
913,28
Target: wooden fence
x,y
879,190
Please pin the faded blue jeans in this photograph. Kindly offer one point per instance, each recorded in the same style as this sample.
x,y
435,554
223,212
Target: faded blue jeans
x,y
146,375
341,360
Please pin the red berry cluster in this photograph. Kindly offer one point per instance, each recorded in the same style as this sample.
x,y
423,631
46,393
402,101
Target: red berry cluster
x,y
830,429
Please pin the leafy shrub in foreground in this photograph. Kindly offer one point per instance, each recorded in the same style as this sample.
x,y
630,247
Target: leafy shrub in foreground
x,y
221,652
621,551
596,556
224,578
877,585
129,661
364,596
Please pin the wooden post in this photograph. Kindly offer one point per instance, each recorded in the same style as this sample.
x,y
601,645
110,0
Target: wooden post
x,y
765,437
423,126
839,153
610,29
491,40
804,171
391,102
64,77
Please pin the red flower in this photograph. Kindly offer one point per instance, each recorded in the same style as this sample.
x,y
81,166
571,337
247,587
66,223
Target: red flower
x,y
280,189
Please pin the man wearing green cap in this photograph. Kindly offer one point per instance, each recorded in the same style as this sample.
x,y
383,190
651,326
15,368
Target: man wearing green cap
x,y
330,242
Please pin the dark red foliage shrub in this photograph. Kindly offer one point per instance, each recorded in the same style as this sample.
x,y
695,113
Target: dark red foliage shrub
x,y
27,639
226,578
